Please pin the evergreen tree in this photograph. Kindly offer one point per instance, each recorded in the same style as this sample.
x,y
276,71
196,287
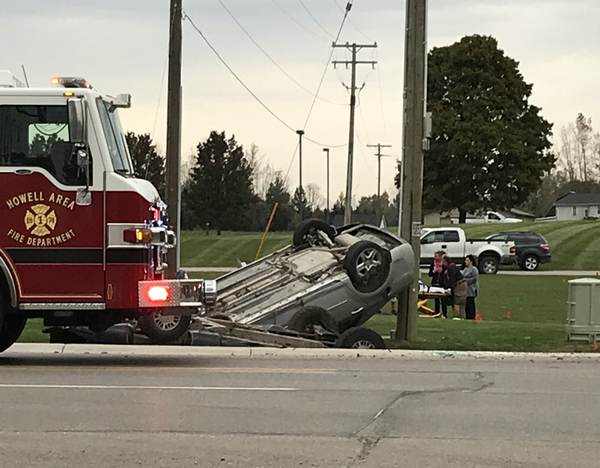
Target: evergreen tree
x,y
147,163
220,186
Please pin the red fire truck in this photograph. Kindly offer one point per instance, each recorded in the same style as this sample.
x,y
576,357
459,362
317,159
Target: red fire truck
x,y
82,240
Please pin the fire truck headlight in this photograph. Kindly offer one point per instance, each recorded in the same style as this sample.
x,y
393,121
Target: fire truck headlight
x,y
159,293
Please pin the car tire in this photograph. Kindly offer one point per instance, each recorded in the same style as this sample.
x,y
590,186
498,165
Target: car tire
x,y
306,232
360,338
530,263
489,266
367,265
163,329
305,319
11,325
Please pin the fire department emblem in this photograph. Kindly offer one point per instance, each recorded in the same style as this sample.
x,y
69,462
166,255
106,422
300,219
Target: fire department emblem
x,y
40,220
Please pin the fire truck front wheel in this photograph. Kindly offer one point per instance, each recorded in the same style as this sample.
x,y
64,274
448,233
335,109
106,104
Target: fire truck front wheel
x,y
163,329
11,325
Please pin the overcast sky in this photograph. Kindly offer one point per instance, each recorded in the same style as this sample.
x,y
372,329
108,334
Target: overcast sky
x,y
121,46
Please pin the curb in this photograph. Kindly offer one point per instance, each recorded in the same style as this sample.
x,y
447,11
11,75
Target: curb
x,y
82,350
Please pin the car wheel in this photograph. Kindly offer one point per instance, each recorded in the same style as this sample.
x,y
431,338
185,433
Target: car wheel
x,y
163,328
307,232
360,338
11,325
530,263
489,266
305,319
367,265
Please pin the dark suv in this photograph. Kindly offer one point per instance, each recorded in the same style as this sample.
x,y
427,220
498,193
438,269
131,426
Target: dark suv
x,y
532,248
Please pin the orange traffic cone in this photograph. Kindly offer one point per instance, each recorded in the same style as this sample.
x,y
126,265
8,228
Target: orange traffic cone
x,y
508,314
478,318
595,346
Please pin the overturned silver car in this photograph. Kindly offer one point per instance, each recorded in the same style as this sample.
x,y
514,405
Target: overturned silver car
x,y
334,278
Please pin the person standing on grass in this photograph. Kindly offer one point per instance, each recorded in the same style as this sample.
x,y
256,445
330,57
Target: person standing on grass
x,y
436,273
455,281
471,276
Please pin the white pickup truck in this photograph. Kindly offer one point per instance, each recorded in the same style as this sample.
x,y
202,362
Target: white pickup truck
x,y
489,217
490,253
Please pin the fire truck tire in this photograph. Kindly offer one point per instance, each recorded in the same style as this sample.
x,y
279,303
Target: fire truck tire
x,y
306,232
360,338
305,319
11,325
163,329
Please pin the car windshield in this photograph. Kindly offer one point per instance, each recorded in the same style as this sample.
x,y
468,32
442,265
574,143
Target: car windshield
x,y
115,139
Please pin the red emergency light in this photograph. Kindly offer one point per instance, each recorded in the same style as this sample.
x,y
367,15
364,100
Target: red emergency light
x,y
70,82
159,293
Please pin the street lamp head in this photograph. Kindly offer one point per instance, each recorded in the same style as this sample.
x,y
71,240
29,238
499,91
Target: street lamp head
x,y
326,150
300,132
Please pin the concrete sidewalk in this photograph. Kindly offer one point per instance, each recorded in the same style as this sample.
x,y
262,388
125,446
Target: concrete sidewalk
x,y
32,349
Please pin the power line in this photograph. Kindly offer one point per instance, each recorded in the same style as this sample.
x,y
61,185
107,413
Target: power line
x,y
162,83
271,59
187,17
314,19
240,81
381,101
348,8
298,23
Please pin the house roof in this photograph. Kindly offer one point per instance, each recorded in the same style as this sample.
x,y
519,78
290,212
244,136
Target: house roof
x,y
574,198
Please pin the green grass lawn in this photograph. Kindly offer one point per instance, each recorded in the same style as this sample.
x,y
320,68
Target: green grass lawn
x,y
200,250
537,305
573,244
538,312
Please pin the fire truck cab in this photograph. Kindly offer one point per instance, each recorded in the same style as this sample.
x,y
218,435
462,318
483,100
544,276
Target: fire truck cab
x,y
83,242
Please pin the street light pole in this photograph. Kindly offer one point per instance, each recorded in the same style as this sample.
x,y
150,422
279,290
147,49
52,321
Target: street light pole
x,y
300,133
326,150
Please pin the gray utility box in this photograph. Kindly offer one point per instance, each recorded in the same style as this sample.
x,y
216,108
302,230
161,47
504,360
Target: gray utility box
x,y
583,318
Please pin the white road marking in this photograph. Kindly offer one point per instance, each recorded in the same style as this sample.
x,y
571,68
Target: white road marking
x,y
143,387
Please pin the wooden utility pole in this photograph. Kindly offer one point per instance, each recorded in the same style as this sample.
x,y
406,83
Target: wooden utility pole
x,y
379,156
415,104
173,160
326,150
300,133
354,48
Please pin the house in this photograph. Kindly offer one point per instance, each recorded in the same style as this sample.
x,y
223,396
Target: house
x,y
573,206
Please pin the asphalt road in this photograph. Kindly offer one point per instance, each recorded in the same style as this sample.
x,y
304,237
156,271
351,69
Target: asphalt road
x,y
183,411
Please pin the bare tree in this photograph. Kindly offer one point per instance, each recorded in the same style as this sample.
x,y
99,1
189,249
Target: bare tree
x,y
584,136
567,152
263,173
579,151
313,196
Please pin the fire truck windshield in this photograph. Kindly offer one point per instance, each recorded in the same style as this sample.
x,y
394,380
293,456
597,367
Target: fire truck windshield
x,y
115,139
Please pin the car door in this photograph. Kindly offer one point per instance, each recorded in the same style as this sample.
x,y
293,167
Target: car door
x,y
51,226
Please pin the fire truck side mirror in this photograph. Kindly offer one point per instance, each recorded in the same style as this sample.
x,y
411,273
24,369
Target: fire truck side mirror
x,y
77,125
